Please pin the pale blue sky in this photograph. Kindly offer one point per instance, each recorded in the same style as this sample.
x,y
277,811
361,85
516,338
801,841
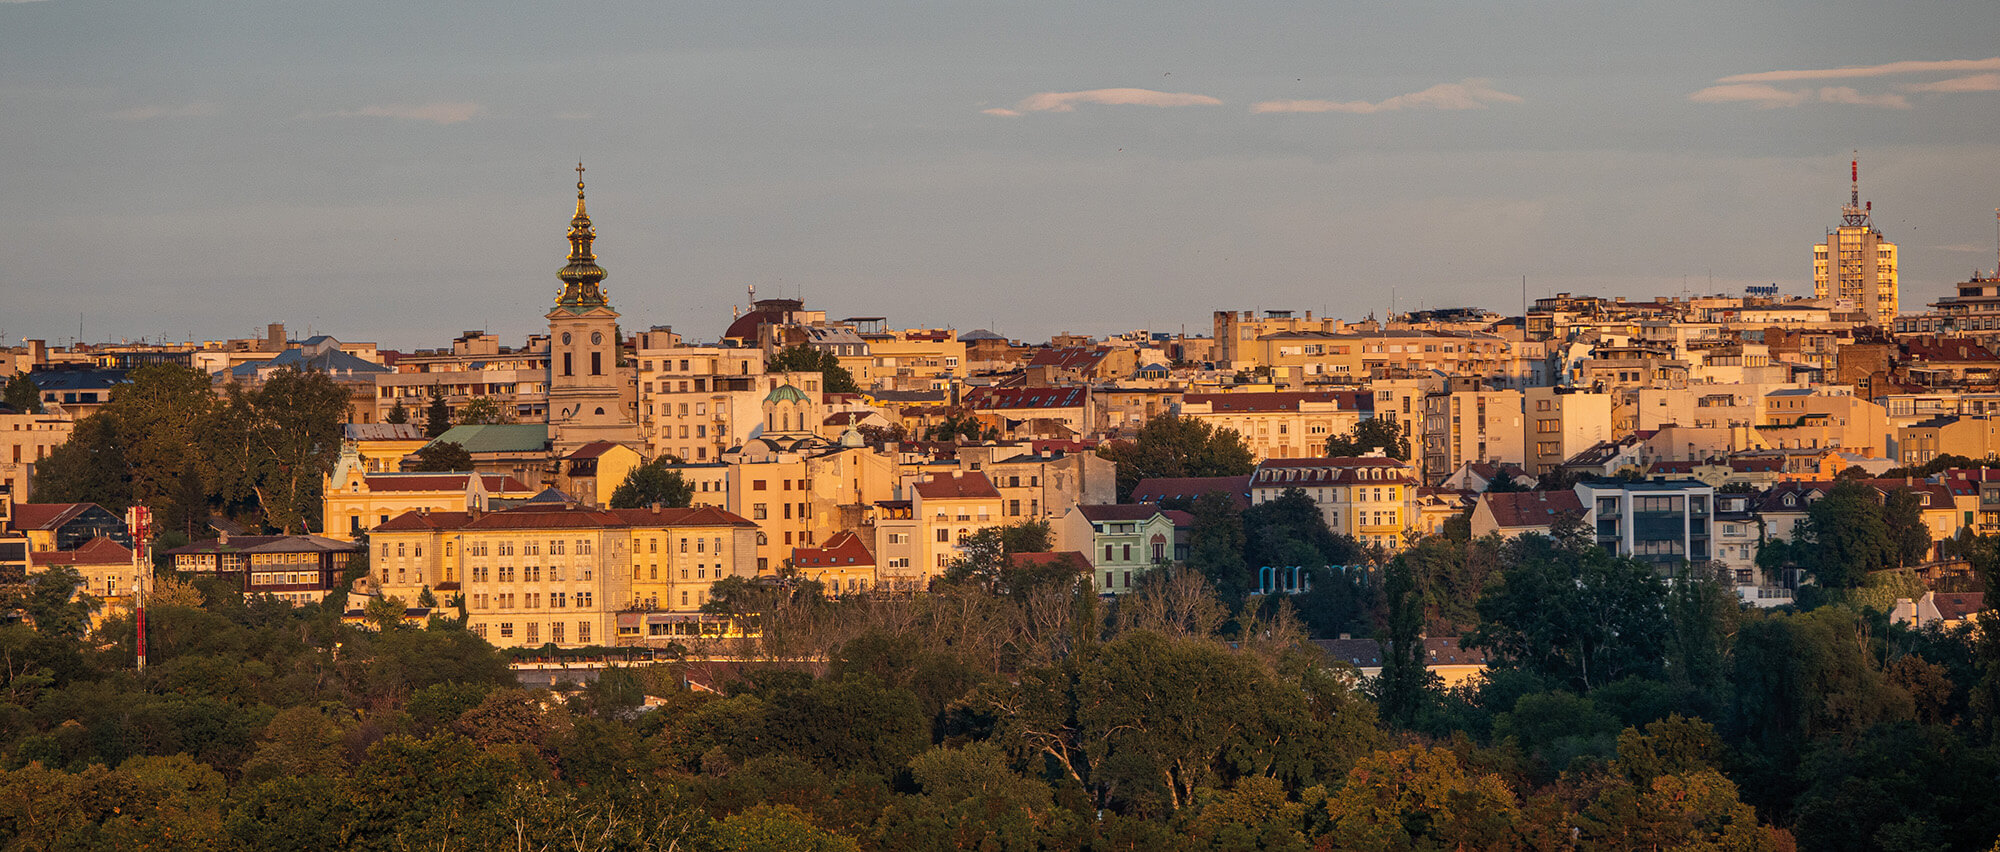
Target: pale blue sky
x,y
400,171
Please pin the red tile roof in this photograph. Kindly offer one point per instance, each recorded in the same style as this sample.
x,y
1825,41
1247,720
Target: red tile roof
x,y
46,516
439,482
592,450
1069,357
951,486
1531,508
843,550
1058,557
1192,488
1276,400
1275,473
97,551
1120,512
992,398
1953,606
550,516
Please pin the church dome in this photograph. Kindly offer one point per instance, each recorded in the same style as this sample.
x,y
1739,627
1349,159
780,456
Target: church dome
x,y
786,393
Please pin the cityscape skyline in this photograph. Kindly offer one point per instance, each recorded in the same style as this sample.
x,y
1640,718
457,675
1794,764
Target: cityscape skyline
x,y
1022,169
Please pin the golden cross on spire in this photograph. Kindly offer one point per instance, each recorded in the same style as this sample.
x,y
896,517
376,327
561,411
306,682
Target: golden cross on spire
x,y
579,179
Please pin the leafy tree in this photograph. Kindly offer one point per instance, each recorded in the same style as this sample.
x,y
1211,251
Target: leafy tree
x,y
56,604
1903,512
276,442
1843,537
163,413
1027,537
22,395
776,827
483,411
1405,684
397,415
653,482
437,415
1422,798
1216,543
805,359
442,456
1170,445
961,424
1573,613
88,468
1375,433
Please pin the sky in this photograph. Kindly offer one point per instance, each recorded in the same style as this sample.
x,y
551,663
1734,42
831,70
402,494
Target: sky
x,y
399,172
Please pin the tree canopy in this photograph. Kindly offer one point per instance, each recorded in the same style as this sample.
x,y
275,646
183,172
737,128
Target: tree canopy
x,y
1170,445
22,395
442,456
1374,433
806,359
650,483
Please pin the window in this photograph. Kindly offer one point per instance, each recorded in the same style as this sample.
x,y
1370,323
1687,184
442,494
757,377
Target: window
x,y
556,632
943,534
583,632
758,512
596,369
535,627
506,630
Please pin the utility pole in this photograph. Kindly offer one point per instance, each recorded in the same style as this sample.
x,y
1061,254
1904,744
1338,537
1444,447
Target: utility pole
x,y
139,520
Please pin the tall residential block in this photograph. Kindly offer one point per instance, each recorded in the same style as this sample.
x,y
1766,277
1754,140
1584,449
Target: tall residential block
x,y
1856,263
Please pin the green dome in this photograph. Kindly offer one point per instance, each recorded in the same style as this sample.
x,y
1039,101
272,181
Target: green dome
x,y
786,393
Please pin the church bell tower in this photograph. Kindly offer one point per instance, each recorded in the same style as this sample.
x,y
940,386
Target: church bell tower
x,y
591,395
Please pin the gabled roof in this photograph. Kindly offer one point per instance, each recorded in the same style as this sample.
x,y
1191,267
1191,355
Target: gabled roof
x,y
499,438
1285,473
1517,509
269,544
1192,488
382,432
1069,357
992,398
843,550
46,516
1955,606
595,449
1055,557
439,482
97,551
1279,400
1119,512
949,486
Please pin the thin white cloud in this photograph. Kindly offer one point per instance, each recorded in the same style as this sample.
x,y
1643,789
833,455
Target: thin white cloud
x,y
1756,93
1755,88
437,113
1068,101
1772,97
1968,83
198,109
1886,69
1467,94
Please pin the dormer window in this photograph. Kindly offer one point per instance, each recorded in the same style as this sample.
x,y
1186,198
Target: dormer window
x,y
1789,501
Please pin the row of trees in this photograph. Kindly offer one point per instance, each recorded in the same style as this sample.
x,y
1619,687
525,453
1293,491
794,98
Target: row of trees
x,y
167,440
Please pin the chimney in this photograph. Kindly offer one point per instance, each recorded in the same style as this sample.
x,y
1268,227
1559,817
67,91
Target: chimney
x,y
274,337
221,537
472,513
656,507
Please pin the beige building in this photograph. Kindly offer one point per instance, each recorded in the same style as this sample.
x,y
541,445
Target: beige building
x,y
26,439
695,402
1856,264
1279,424
1371,498
1812,418
356,500
475,367
1561,422
592,395
1471,426
918,538
565,575
1975,438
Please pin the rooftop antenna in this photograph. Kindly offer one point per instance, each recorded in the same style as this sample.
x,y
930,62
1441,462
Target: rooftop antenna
x,y
1996,228
1854,214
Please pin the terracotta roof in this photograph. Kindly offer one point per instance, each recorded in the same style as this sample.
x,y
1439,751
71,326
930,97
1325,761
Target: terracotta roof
x,y
1954,606
46,516
1531,508
1285,473
439,482
1684,468
1192,488
1180,518
97,551
269,544
1069,357
844,549
950,486
1120,512
989,397
592,450
555,516
1757,465
1057,557
1276,400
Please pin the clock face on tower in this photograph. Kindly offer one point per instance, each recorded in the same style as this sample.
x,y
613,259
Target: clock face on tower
x,y
597,337
565,338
